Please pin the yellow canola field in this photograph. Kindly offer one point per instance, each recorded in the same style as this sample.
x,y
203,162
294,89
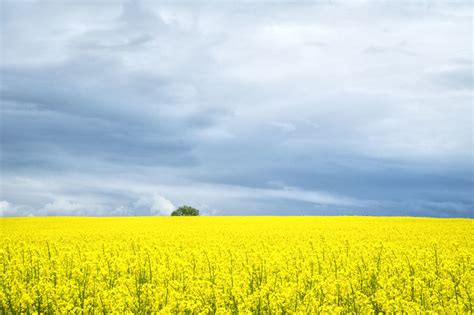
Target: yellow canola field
x,y
230,265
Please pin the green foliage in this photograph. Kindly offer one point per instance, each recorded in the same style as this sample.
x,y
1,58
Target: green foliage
x,y
185,211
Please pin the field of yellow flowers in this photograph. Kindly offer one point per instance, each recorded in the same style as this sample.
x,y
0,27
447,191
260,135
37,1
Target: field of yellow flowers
x,y
230,265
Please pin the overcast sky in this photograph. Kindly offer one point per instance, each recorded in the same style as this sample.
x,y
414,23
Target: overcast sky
x,y
237,108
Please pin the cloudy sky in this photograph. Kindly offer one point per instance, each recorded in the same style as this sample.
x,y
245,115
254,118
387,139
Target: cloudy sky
x,y
237,108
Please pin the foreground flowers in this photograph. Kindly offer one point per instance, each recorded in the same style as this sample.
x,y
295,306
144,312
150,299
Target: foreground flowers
x,y
227,265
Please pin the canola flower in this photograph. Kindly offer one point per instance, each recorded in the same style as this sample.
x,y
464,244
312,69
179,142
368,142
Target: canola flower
x,y
230,265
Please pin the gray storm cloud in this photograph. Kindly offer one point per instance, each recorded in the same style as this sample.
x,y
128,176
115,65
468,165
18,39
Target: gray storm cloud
x,y
136,107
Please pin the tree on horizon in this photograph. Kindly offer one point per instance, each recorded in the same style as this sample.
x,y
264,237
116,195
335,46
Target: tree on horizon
x,y
185,211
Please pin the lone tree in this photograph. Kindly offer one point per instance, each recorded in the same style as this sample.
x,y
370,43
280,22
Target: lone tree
x,y
185,211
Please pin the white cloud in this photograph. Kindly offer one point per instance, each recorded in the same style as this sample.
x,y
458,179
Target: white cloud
x,y
8,209
154,204
64,206
5,208
282,126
